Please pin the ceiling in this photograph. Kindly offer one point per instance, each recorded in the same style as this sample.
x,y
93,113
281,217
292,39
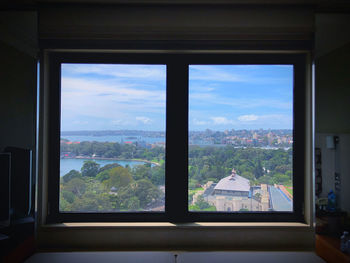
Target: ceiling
x,y
324,4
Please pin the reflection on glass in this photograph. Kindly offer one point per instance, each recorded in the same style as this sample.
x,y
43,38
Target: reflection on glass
x,y
112,138
240,138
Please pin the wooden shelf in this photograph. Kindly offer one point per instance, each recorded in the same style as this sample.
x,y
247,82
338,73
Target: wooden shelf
x,y
328,248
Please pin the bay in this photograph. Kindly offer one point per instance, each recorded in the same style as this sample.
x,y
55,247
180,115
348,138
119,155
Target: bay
x,y
113,138
76,164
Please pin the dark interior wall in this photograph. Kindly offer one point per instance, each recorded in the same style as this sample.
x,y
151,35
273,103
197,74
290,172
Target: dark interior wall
x,y
18,98
332,102
333,91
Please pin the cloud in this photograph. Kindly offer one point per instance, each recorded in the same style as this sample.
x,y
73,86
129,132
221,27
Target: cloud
x,y
221,120
145,72
199,122
247,118
144,120
243,103
255,74
214,73
110,104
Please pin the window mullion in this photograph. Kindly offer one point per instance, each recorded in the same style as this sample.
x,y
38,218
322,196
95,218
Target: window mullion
x,y
176,197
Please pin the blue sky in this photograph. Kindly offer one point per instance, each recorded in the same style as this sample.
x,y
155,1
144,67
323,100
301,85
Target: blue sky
x,y
113,97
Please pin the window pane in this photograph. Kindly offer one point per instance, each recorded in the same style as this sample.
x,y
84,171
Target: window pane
x,y
240,138
112,138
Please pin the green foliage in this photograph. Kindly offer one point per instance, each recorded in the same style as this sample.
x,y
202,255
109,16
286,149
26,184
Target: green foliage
x,y
143,190
92,202
118,177
90,168
103,176
257,165
108,167
141,172
137,187
258,171
201,205
257,196
69,176
68,196
114,150
77,186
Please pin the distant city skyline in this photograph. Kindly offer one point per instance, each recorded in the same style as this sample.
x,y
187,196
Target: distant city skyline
x,y
137,130
133,97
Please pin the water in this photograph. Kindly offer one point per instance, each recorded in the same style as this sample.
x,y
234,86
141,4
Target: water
x,y
76,164
112,138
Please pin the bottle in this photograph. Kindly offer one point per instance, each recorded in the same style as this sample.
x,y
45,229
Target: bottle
x,y
344,242
331,201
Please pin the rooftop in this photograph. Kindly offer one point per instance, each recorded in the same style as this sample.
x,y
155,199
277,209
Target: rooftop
x,y
233,182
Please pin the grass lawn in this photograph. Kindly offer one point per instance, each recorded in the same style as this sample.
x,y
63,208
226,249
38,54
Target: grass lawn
x,y
289,188
192,192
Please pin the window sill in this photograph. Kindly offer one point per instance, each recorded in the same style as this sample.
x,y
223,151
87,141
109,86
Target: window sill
x,y
97,225
168,236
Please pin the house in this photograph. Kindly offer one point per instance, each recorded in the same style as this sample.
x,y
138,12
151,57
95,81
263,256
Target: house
x,y
320,26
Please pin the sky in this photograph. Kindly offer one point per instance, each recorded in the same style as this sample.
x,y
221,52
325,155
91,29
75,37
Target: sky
x,y
118,97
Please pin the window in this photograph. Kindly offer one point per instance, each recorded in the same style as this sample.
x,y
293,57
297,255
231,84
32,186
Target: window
x,y
176,137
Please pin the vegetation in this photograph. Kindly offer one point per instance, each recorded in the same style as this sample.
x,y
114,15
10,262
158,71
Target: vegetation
x,y
111,188
115,188
258,165
201,205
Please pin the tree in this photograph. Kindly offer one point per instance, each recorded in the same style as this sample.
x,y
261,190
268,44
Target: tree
x,y
118,177
108,167
158,175
201,203
69,176
92,202
258,172
77,186
90,168
146,192
141,172
257,196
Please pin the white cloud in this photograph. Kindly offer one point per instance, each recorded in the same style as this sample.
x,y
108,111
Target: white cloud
x,y
144,120
199,122
145,72
247,118
234,73
221,120
213,73
243,103
119,104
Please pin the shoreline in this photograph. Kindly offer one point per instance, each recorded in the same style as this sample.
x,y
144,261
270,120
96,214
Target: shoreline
x,y
112,159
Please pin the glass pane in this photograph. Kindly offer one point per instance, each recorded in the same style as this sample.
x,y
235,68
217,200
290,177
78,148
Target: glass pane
x,y
112,138
240,138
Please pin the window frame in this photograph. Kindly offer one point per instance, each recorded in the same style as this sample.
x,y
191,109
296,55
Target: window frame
x,y
176,171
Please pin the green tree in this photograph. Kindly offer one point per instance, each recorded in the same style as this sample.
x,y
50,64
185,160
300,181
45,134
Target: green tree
x,y
141,172
90,168
118,177
92,202
108,167
69,176
68,196
77,186
146,192
258,172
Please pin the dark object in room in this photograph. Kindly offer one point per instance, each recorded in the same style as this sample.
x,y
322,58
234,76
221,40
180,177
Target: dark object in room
x,y
5,166
21,182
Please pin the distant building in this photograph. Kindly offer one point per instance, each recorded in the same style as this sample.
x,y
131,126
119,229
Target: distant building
x,y
233,185
233,193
